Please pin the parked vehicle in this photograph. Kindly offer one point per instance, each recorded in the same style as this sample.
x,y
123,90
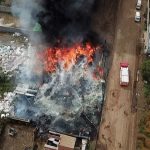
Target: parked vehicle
x,y
138,4
137,16
124,74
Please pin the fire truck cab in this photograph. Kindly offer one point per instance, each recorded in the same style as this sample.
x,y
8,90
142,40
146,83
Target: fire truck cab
x,y
124,74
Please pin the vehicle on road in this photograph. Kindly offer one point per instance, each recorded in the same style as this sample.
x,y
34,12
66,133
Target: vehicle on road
x,y
124,74
138,4
137,16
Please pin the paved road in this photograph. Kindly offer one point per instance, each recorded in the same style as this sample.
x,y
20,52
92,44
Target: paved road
x,y
117,131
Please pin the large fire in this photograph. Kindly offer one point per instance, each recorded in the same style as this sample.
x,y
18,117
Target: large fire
x,y
66,57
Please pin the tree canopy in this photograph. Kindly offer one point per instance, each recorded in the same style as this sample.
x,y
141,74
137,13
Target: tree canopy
x,y
146,76
146,70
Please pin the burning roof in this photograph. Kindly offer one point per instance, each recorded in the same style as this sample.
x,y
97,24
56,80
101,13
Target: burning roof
x,y
67,57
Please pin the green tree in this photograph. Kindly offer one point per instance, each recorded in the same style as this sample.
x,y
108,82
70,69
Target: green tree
x,y
146,70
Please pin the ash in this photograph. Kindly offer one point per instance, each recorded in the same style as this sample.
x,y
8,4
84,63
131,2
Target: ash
x,y
68,101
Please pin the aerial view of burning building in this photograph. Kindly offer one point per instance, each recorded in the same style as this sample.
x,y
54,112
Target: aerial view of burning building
x,y
60,85
71,75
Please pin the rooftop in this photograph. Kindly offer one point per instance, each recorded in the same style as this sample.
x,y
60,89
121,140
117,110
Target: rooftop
x,y
60,142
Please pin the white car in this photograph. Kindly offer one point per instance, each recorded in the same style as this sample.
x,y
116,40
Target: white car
x,y
138,4
137,16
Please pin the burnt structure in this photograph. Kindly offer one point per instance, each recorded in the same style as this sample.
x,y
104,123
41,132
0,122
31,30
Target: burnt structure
x,y
70,101
67,106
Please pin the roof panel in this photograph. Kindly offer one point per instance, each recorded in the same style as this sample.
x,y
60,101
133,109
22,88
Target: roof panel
x,y
67,141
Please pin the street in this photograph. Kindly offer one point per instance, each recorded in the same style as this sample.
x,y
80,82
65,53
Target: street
x,y
118,125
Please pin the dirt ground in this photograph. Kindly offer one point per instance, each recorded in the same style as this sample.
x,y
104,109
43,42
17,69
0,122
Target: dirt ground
x,y
104,20
118,126
23,138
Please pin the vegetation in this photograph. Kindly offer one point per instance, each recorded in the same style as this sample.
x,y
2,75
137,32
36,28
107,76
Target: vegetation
x,y
6,83
146,76
146,70
147,92
143,139
2,1
91,145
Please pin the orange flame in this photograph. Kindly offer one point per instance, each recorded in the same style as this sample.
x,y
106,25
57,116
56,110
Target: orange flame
x,y
66,56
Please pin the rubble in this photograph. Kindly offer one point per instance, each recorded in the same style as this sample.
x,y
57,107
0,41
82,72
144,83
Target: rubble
x,y
11,57
5,104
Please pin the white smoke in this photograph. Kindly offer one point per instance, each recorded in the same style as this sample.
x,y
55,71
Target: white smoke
x,y
23,9
66,95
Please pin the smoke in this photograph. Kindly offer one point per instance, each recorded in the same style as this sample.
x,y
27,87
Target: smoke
x,y
23,10
65,21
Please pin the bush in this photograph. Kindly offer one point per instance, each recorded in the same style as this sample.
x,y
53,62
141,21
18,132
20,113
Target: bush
x,y
147,91
146,76
146,70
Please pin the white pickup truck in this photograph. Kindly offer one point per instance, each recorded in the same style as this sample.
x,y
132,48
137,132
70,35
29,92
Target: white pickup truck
x,y
124,74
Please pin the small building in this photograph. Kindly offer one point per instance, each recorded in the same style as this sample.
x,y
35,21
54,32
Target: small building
x,y
60,142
